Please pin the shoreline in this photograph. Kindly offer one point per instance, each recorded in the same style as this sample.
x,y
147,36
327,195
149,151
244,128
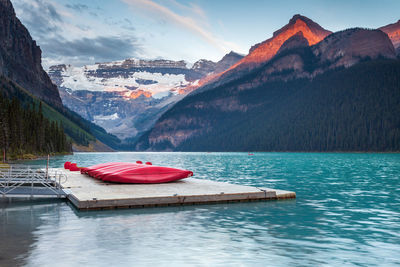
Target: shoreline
x,y
36,157
316,152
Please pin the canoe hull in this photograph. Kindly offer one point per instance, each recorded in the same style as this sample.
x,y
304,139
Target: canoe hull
x,y
121,172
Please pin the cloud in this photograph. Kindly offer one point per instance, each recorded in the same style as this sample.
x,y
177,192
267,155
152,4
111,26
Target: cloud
x,y
191,8
185,22
123,23
41,16
65,39
78,7
88,49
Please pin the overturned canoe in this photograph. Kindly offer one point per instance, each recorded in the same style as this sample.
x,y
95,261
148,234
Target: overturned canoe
x,y
123,172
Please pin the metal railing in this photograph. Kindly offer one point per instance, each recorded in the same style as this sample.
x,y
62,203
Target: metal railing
x,y
14,178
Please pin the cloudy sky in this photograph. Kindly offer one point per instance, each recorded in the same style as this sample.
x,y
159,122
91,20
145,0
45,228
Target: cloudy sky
x,y
83,32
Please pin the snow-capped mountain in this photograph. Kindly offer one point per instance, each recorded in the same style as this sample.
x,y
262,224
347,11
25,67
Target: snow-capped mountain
x,y
128,76
126,97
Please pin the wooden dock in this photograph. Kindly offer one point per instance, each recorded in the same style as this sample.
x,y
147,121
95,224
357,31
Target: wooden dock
x,y
87,193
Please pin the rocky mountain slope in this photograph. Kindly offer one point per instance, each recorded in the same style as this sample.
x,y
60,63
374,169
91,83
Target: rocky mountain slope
x,y
20,57
221,114
23,80
264,51
393,31
127,97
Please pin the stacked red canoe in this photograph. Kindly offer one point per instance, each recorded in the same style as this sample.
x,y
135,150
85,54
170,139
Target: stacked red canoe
x,y
71,166
122,172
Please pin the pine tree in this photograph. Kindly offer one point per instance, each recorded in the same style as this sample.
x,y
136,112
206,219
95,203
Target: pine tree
x,y
26,130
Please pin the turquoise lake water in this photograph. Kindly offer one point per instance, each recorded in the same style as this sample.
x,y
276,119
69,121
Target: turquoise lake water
x,y
347,212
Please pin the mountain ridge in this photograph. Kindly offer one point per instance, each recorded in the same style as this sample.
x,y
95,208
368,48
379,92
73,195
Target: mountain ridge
x,y
311,31
126,97
262,52
20,57
393,31
22,79
299,62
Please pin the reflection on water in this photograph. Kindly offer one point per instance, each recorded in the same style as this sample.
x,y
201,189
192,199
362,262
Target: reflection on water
x,y
19,220
346,213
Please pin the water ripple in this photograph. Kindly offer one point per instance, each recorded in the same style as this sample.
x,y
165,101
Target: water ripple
x,y
346,213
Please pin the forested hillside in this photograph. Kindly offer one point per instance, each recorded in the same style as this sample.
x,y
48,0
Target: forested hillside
x,y
24,130
22,77
354,109
77,130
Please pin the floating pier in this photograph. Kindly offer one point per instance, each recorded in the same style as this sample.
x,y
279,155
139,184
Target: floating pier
x,y
27,181
87,193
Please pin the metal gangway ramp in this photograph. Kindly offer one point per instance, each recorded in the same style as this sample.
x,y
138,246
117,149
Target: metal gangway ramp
x,y
31,181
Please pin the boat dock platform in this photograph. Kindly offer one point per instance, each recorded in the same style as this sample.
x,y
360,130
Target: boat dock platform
x,y
87,193
28,181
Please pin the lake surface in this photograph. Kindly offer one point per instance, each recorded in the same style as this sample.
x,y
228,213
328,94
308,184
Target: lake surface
x,y
347,212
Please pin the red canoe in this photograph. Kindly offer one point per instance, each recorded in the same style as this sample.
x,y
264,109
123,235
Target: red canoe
x,y
99,172
67,165
87,169
102,172
95,169
122,172
74,168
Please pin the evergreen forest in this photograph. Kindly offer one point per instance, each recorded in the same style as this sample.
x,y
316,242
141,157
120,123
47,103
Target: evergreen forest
x,y
346,109
24,130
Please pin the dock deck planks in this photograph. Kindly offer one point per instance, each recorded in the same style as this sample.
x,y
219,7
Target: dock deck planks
x,y
88,193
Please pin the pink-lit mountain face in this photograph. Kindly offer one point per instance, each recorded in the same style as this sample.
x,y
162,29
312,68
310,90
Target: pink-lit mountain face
x,y
226,98
265,51
393,31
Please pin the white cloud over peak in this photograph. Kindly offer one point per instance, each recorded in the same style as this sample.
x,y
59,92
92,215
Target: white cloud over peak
x,y
186,22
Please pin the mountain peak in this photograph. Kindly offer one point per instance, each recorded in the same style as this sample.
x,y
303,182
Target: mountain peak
x,y
393,31
298,22
231,54
227,61
264,51
296,17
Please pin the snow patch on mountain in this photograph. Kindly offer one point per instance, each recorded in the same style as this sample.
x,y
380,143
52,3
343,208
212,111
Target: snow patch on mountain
x,y
103,118
87,78
127,97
